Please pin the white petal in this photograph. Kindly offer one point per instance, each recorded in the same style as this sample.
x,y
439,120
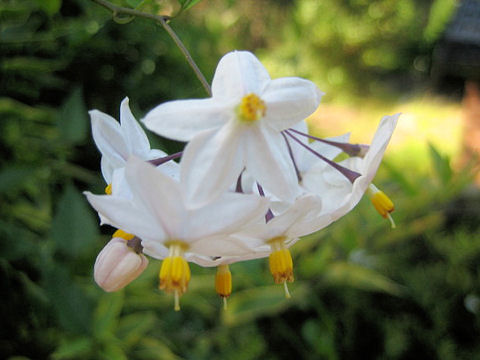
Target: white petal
x,y
136,138
108,137
270,164
211,162
183,119
122,214
379,143
155,249
107,169
220,246
158,193
230,213
239,73
289,100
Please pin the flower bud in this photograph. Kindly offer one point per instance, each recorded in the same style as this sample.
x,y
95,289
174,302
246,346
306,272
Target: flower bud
x,y
117,265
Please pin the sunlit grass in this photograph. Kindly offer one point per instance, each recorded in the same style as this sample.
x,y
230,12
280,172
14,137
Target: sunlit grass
x,y
425,119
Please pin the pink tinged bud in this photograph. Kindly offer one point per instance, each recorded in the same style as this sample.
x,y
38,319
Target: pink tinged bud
x,y
117,265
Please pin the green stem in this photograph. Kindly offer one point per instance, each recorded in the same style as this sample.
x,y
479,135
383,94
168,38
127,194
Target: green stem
x,y
162,20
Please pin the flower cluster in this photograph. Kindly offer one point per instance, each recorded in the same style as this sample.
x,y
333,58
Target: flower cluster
x,y
251,180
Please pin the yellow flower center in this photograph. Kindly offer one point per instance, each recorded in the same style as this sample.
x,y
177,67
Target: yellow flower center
x,y
281,263
251,108
223,283
381,202
175,273
122,234
108,189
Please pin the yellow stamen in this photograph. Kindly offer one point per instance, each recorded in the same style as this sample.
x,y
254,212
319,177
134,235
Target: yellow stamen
x,y
108,189
281,263
382,203
223,283
175,273
251,108
122,234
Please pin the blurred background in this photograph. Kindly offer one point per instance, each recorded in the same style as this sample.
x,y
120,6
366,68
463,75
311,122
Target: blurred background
x,y
362,290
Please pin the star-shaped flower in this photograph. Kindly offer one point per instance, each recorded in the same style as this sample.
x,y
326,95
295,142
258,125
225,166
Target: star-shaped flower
x,y
238,127
338,194
158,214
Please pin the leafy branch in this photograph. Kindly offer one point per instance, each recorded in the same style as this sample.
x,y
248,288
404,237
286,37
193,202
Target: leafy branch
x,y
163,21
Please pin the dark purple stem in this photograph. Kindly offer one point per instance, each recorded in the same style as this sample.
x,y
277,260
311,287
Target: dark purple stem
x,y
290,152
165,159
350,149
269,215
349,174
238,187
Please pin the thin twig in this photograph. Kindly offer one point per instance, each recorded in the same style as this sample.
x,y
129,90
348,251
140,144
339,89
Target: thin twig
x,y
162,20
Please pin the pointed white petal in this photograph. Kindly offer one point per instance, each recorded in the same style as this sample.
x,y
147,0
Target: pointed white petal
x,y
220,246
230,213
289,100
379,143
211,162
107,168
108,137
183,119
122,214
135,137
239,73
159,194
269,163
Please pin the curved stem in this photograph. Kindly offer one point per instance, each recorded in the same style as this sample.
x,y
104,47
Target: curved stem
x,y
162,20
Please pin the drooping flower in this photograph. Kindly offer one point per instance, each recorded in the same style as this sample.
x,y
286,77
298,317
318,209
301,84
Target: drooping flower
x,y
272,239
238,127
117,265
170,230
339,194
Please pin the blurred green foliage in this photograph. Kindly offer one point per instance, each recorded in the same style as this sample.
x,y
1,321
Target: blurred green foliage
x,y
362,290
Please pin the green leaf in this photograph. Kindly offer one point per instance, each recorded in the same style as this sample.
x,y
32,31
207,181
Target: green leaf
x,y
51,7
106,314
70,304
17,243
134,3
187,4
344,273
113,351
14,176
73,122
249,304
132,328
74,228
73,349
150,348
441,165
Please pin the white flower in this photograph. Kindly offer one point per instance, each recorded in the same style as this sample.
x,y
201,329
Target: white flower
x,y
338,194
117,265
118,141
157,213
238,127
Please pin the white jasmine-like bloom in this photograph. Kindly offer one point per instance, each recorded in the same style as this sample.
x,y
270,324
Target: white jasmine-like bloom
x,y
117,265
338,194
118,141
238,127
158,214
